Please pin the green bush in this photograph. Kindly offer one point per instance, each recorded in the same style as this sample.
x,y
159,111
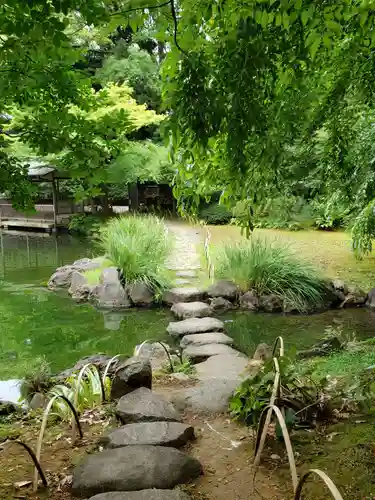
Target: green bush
x,y
139,246
216,214
270,268
84,224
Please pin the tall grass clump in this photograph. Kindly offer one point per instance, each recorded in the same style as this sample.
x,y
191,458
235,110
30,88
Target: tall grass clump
x,y
270,268
139,246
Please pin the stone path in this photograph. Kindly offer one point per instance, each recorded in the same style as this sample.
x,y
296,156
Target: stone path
x,y
185,257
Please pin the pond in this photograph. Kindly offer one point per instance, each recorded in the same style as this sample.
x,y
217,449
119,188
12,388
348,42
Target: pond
x,y
38,323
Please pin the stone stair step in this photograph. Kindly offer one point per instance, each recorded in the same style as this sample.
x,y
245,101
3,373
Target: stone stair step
x,y
199,339
184,310
191,294
194,325
202,352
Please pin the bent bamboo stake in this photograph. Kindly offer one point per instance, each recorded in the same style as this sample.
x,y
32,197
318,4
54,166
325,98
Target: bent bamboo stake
x,y
263,427
76,393
327,480
33,457
281,351
259,445
43,428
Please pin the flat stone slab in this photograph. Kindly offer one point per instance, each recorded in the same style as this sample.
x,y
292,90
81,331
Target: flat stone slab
x,y
223,366
198,339
143,495
149,433
187,273
175,295
184,310
194,325
133,468
209,396
142,405
196,352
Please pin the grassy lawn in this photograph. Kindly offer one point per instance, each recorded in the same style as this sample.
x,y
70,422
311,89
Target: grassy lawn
x,y
329,251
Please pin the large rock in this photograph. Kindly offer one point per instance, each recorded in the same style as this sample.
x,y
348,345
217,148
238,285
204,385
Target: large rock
x,y
153,433
199,339
202,352
194,325
323,348
175,295
370,301
99,360
153,494
142,405
184,310
355,297
271,303
7,408
219,305
78,280
224,288
209,396
133,373
133,468
340,285
155,353
112,296
249,301
80,289
62,277
224,366
140,295
109,275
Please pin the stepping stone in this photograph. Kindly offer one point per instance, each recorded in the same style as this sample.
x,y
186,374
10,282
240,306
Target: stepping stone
x,y
143,495
142,405
133,468
184,310
181,282
188,273
198,339
202,352
194,325
152,433
209,396
175,295
223,366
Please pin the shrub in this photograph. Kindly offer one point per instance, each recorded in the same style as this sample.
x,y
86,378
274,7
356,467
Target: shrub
x,y
84,224
38,379
139,247
270,268
216,214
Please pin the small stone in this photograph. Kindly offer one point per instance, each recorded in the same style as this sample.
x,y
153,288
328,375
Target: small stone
x,y
263,352
175,295
202,352
224,288
249,301
173,434
38,401
194,325
133,468
199,339
142,405
133,373
180,376
340,285
275,457
184,310
271,303
219,304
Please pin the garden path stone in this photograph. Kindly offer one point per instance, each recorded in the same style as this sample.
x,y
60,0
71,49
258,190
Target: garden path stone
x,y
202,352
184,310
175,295
142,405
199,339
153,494
133,468
133,373
185,256
227,366
182,282
173,434
194,325
186,274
